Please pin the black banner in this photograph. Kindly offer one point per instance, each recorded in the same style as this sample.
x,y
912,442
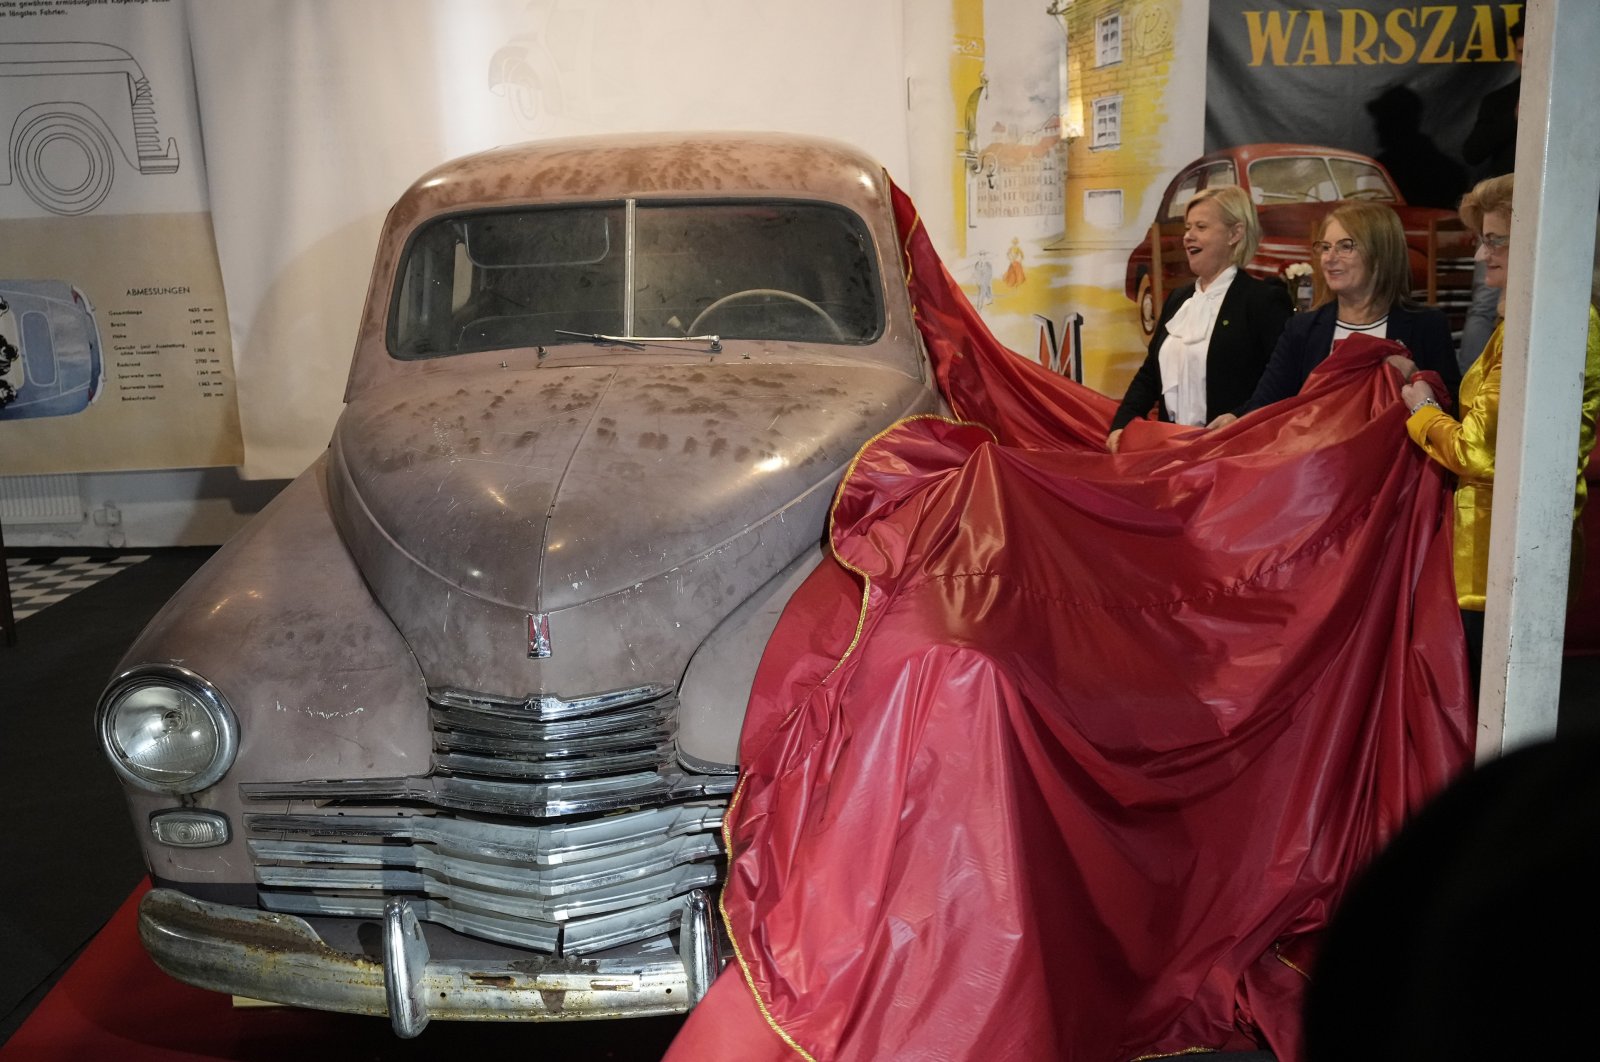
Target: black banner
x,y
1401,82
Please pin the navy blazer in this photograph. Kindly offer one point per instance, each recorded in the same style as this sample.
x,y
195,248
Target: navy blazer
x,y
1249,321
1308,340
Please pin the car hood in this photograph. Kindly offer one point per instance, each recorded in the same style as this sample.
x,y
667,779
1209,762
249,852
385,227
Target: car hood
x,y
541,489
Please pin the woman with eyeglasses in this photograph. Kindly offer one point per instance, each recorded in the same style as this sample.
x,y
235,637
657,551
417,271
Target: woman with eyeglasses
x,y
1362,276
1466,446
1214,336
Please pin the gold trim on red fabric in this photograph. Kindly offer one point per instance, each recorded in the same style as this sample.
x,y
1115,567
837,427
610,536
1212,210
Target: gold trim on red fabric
x,y
1278,954
861,622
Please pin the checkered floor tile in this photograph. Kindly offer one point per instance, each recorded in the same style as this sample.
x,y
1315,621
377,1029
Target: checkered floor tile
x,y
38,582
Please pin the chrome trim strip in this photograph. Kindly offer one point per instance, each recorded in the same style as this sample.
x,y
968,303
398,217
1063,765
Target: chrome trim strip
x,y
597,934
504,798
556,770
458,720
567,748
699,766
533,846
277,867
629,265
448,901
544,708
527,933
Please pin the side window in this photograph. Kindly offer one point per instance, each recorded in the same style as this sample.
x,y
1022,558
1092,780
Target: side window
x,y
1181,195
1362,180
1220,173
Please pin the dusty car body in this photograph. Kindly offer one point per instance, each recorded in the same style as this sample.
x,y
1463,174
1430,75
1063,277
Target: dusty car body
x,y
1293,186
448,730
50,359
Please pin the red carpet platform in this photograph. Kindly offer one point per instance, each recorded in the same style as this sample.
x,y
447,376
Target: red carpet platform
x,y
115,1003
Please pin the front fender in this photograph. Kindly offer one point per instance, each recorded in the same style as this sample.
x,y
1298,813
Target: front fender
x,y
323,686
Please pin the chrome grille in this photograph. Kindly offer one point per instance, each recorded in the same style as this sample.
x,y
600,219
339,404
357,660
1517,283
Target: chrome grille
x,y
547,738
471,845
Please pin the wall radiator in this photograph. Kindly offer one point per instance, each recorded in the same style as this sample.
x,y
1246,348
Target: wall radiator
x,y
41,500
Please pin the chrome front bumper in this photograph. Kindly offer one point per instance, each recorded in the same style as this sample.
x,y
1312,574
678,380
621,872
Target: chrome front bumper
x,y
281,959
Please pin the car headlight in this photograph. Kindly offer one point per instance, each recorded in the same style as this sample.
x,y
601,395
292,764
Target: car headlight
x,y
166,729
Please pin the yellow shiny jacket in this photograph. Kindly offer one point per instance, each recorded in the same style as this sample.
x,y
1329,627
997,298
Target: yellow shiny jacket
x,y
1466,447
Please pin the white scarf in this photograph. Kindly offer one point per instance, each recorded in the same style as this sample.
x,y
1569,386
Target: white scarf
x,y
1183,353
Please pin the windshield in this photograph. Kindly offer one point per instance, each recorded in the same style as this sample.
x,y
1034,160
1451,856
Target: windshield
x,y
1314,179
741,270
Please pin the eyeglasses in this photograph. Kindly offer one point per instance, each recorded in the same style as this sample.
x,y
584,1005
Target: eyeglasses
x,y
1490,240
1343,248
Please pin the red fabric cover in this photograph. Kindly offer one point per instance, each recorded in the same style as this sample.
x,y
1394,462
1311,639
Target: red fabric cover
x,y
1071,755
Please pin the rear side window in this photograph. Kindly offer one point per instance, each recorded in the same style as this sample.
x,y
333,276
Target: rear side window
x,y
38,351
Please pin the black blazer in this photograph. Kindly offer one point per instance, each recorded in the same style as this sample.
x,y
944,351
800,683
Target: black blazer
x,y
1249,321
1308,339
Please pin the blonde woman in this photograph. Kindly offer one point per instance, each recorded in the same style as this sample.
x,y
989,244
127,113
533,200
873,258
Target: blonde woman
x,y
1214,336
1466,446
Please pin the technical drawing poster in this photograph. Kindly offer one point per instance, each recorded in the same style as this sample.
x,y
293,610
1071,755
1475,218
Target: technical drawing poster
x,y
116,351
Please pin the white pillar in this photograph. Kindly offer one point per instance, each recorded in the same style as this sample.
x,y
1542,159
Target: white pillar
x,y
1552,247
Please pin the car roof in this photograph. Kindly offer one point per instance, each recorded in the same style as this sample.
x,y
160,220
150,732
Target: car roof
x,y
1248,153
661,164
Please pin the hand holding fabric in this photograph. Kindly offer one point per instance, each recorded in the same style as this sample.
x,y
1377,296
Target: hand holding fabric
x,y
1403,365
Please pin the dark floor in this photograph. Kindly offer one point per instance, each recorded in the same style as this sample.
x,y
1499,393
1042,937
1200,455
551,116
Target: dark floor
x,y
65,801
69,853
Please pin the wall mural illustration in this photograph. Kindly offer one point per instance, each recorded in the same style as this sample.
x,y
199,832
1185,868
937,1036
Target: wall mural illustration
x,y
1081,130
1061,111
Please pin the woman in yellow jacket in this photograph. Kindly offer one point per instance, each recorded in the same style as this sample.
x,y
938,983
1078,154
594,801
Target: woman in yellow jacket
x,y
1466,446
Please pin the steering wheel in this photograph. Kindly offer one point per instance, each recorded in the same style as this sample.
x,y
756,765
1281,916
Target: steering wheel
x,y
756,293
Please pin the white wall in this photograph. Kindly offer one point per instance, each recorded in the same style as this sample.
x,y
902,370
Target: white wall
x,y
315,116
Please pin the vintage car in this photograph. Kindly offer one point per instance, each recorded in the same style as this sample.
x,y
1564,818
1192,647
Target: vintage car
x,y
50,359
448,730
1293,186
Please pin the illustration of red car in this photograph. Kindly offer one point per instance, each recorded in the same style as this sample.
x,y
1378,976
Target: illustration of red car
x,y
1293,186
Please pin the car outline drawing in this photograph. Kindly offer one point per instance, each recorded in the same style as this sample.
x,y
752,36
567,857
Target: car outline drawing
x,y
70,110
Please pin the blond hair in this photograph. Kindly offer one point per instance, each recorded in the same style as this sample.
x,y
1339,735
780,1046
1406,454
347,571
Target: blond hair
x,y
1492,196
1233,203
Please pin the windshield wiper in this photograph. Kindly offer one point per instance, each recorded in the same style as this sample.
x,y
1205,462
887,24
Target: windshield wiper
x,y
640,342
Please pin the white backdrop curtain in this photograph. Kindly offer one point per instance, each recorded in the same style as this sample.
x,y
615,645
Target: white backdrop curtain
x,y
316,115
